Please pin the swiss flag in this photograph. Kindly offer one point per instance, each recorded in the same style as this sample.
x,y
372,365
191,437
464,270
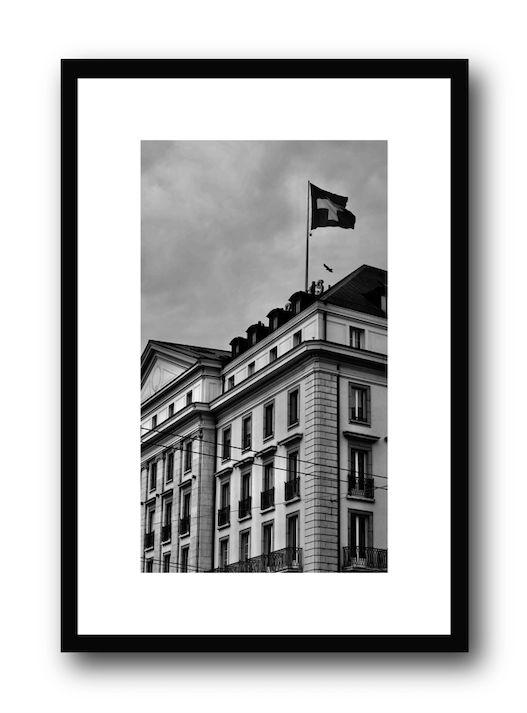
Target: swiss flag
x,y
328,209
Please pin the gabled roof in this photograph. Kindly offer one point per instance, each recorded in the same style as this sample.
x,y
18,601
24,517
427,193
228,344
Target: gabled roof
x,y
194,352
360,291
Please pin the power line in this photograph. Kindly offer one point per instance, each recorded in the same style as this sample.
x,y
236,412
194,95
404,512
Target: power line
x,y
261,465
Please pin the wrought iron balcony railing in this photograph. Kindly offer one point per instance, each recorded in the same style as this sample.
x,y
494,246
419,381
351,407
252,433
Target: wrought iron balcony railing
x,y
292,489
224,516
166,533
365,558
184,525
360,486
267,499
244,507
149,539
290,558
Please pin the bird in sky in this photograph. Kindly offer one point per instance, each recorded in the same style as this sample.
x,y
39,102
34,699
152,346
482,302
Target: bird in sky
x,y
328,268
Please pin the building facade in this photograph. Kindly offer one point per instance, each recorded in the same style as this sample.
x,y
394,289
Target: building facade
x,y
272,457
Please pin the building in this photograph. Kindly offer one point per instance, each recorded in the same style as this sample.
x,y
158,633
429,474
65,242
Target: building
x,y
272,457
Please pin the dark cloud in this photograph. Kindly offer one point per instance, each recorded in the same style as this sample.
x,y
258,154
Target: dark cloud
x,y
224,229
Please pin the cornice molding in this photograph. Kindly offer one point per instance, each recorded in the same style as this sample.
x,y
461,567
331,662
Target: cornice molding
x,y
356,436
293,438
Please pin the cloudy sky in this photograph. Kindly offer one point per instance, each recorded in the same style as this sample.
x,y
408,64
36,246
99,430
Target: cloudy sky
x,y
223,235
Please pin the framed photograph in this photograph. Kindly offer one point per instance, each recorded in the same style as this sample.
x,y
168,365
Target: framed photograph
x,y
228,229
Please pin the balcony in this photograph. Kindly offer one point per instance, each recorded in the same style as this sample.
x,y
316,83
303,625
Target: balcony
x,y
292,489
149,539
224,516
360,487
287,560
244,507
267,499
365,559
166,533
184,525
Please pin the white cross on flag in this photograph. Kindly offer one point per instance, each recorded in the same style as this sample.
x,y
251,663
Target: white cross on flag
x,y
328,209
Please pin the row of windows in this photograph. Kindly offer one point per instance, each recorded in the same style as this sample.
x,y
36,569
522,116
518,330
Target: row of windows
x,y
268,424
267,494
171,409
360,543
248,548
359,412
273,356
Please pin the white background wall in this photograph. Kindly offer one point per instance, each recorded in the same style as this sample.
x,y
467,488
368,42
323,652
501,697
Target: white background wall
x,y
37,677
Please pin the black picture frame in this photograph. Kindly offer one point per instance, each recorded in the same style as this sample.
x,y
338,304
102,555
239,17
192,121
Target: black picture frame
x,y
456,70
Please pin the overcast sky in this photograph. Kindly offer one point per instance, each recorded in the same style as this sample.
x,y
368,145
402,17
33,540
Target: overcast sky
x,y
223,234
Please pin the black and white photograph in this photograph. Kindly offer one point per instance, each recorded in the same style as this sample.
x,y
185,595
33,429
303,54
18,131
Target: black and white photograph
x,y
264,329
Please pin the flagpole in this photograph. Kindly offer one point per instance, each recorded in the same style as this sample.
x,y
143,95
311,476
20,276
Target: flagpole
x,y
307,236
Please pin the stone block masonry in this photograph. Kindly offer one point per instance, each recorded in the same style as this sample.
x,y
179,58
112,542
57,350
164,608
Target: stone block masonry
x,y
321,468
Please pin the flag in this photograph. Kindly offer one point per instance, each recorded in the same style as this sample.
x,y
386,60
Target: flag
x,y
328,209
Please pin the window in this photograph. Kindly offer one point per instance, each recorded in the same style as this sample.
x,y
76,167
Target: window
x,y
226,446
359,534
246,433
384,303
189,398
170,467
166,532
170,410
188,456
294,553
150,520
251,368
252,339
154,421
244,505
297,306
267,496
268,420
292,531
184,559
292,484
149,565
184,522
150,531
358,403
230,383
245,545
166,562
267,538
153,475
292,408
224,552
273,354
224,512
359,483
356,338
297,338
274,323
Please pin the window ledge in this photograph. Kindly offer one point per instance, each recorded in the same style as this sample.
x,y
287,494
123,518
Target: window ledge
x,y
270,509
360,497
245,517
293,438
293,500
361,423
186,534
222,527
355,435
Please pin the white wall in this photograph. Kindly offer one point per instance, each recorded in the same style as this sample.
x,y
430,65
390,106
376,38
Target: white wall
x,y
37,677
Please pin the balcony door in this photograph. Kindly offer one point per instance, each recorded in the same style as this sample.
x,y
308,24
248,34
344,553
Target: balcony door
x,y
358,538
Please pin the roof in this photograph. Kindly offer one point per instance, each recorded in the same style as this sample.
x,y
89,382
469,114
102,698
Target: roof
x,y
194,352
360,291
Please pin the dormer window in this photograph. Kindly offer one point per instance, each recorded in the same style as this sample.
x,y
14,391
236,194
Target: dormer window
x,y
297,306
274,323
253,338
